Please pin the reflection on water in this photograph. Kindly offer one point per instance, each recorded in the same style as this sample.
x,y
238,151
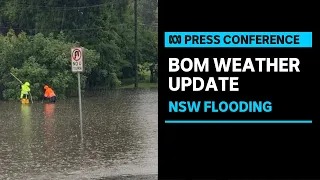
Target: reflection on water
x,y
26,131
43,140
49,125
25,121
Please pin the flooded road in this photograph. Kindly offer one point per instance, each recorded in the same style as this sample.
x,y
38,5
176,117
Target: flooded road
x,y
43,141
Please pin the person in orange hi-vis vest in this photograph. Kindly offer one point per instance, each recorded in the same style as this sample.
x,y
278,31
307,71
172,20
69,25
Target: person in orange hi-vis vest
x,y
49,94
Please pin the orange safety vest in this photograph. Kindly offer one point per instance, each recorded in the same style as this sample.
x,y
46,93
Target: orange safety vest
x,y
49,93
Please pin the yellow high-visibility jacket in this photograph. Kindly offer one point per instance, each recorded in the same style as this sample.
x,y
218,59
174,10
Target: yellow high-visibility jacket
x,y
25,89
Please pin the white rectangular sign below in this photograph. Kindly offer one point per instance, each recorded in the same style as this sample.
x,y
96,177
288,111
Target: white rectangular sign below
x,y
77,59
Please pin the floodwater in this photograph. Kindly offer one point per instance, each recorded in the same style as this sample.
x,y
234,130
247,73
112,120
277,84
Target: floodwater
x,y
43,141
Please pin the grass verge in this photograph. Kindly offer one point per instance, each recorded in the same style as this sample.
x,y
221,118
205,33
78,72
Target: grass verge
x,y
141,85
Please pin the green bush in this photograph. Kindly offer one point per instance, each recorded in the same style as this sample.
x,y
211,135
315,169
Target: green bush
x,y
40,60
144,72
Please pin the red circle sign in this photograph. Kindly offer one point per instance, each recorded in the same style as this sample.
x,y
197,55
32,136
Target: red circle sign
x,y
76,54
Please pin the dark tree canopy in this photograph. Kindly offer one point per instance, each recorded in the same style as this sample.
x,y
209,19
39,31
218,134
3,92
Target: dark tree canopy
x,y
36,37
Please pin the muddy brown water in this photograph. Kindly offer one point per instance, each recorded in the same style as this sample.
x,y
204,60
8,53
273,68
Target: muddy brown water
x,y
43,141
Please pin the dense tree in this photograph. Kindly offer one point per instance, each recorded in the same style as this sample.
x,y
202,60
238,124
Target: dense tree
x,y
104,26
39,60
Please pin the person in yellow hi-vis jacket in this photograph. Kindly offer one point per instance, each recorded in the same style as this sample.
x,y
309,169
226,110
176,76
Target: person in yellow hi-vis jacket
x,y
25,90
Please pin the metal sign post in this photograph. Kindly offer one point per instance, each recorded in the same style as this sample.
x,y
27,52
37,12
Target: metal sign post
x,y
77,67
